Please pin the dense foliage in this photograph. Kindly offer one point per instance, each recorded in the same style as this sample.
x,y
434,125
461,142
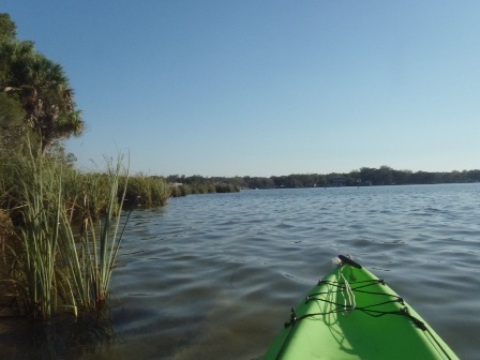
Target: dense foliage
x,y
37,85
60,229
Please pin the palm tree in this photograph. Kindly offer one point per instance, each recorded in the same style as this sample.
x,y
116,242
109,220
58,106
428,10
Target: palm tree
x,y
53,109
43,90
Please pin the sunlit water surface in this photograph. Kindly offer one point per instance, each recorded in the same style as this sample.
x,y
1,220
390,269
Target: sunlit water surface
x,y
214,276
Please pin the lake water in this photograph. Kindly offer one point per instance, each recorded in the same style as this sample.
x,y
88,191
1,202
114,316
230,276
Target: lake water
x,y
214,276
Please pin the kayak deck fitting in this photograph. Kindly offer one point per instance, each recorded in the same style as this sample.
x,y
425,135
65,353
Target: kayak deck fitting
x,y
351,314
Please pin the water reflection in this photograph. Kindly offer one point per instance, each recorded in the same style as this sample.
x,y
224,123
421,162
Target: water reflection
x,y
63,337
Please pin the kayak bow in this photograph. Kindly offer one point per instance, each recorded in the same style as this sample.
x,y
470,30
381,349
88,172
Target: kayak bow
x,y
351,314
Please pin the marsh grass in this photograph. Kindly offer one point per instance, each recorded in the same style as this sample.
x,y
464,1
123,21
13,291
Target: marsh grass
x,y
65,230
52,265
202,188
106,246
37,248
146,191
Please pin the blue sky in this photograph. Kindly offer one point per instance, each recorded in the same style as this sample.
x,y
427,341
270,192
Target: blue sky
x,y
261,88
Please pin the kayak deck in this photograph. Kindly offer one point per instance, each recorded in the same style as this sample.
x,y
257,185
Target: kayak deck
x,y
351,314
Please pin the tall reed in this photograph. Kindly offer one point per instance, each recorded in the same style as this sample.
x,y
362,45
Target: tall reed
x,y
40,204
105,246
54,268
89,262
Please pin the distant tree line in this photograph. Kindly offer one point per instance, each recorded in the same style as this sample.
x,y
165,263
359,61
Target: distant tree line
x,y
366,176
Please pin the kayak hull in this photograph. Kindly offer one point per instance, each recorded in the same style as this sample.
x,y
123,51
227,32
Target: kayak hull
x,y
351,314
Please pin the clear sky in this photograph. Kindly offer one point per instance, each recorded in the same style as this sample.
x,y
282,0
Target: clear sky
x,y
261,88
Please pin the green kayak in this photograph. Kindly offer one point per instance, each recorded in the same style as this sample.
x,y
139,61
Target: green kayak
x,y
351,314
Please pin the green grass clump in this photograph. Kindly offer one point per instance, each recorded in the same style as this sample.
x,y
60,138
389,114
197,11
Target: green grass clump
x,y
39,211
202,188
52,265
101,248
146,191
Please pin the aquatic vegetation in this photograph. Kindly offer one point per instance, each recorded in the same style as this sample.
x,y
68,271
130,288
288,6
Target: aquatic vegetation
x,y
146,191
39,209
202,188
64,229
105,246
54,264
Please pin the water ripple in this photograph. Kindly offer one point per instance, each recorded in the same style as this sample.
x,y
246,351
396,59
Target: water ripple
x,y
214,276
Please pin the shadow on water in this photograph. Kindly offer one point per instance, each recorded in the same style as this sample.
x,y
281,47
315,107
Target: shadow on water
x,y
62,337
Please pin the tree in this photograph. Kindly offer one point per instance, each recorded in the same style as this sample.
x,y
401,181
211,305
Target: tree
x,y
8,30
11,123
41,87
385,175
